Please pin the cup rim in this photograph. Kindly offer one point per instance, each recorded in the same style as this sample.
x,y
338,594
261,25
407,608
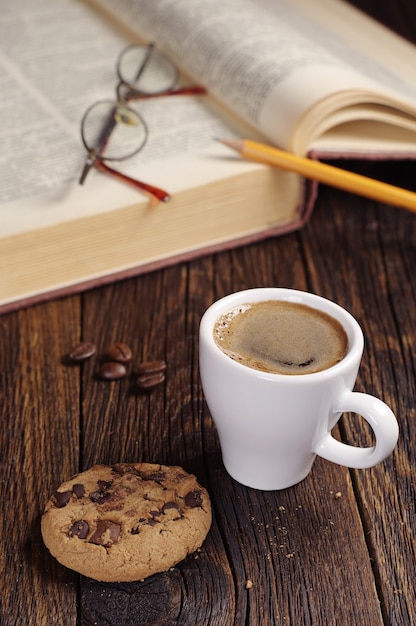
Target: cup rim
x,y
261,294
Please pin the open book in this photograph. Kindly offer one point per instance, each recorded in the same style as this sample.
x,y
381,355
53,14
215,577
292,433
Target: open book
x,y
316,78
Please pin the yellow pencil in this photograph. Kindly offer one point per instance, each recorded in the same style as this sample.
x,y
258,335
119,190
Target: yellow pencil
x,y
328,174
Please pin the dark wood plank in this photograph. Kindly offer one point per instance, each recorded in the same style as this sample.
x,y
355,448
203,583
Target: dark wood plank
x,y
378,287
150,314
39,447
293,515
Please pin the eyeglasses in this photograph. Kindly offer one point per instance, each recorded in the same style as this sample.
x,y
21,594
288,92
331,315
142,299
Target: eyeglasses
x,y
113,131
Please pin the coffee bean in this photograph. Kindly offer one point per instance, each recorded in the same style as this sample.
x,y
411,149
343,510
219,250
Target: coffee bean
x,y
149,381
120,352
112,370
82,352
151,367
151,374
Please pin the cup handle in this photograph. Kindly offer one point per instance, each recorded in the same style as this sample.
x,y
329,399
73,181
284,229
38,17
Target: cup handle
x,y
381,419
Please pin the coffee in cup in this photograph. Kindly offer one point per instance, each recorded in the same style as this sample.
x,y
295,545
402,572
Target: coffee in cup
x,y
281,337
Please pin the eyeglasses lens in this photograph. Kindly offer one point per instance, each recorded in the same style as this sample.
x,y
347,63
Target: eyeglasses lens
x,y
146,71
113,130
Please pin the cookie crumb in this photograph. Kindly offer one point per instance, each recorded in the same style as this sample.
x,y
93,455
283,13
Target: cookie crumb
x,y
249,584
338,495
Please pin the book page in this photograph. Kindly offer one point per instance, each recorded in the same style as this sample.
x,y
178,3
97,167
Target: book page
x,y
268,60
56,59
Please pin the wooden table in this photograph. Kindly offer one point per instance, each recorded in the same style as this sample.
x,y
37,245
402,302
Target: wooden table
x,y
337,549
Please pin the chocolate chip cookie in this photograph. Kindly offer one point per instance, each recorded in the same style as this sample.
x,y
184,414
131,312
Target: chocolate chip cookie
x,y
125,522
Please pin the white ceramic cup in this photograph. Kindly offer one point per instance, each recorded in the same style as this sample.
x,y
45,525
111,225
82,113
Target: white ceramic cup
x,y
271,426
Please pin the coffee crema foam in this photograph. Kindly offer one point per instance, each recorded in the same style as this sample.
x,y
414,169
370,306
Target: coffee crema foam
x,y
281,337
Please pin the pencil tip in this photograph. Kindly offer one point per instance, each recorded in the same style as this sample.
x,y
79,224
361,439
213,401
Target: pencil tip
x,y
235,144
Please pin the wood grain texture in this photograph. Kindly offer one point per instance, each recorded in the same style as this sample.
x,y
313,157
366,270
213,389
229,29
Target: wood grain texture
x,y
40,445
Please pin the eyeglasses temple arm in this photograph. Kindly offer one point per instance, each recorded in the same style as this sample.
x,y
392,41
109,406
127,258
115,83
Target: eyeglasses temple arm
x,y
131,94
156,194
190,90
